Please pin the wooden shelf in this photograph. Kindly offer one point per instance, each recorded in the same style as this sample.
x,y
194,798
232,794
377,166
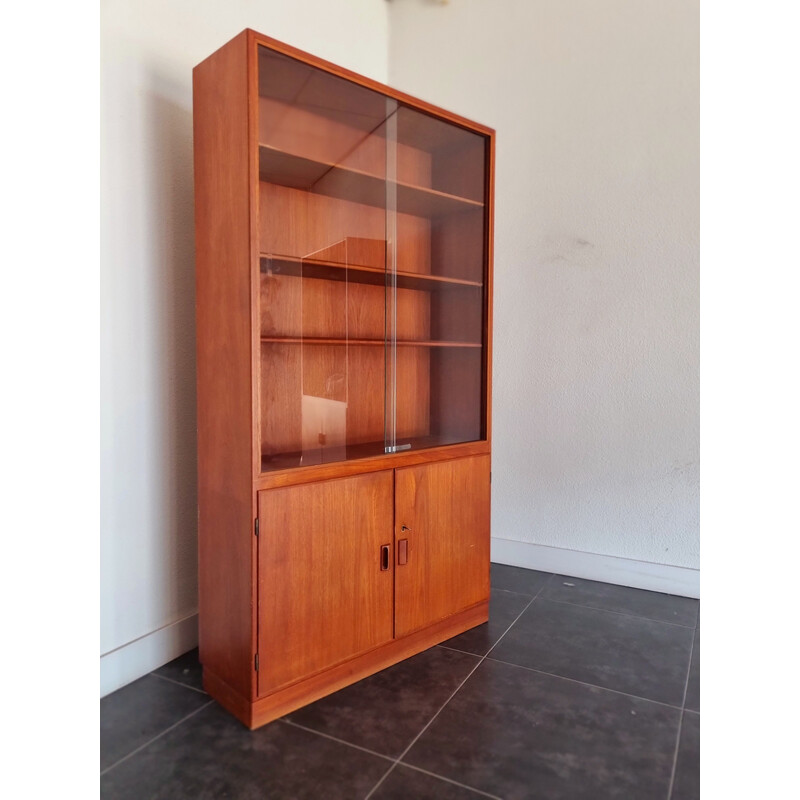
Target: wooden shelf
x,y
361,342
336,271
335,180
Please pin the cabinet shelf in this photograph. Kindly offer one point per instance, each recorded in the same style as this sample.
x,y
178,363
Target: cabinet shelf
x,y
323,177
336,271
362,342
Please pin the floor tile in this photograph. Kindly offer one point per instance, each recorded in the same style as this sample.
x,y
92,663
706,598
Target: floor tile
x,y
629,654
504,608
517,579
687,770
404,783
139,711
185,669
213,756
385,711
693,687
623,599
521,734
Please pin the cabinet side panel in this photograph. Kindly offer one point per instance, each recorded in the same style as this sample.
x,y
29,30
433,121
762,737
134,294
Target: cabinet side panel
x,y
224,414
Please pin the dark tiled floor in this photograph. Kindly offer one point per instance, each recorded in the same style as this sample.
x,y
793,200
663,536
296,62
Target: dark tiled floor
x,y
518,733
573,689
386,711
136,713
622,599
504,608
185,670
616,651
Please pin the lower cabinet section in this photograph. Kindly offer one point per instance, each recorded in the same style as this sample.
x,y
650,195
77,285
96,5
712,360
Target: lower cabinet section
x,y
356,573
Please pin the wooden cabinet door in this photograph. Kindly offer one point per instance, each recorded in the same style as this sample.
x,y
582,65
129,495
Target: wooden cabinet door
x,y
324,579
442,535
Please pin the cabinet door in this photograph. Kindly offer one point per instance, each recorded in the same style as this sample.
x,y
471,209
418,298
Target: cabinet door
x,y
442,540
325,575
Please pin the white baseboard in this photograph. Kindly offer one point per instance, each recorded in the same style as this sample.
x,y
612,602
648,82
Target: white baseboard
x,y
135,659
610,569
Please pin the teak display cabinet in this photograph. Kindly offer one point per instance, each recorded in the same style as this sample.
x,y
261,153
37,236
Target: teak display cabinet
x,y
343,252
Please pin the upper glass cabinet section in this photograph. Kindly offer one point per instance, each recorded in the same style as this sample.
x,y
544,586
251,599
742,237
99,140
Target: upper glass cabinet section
x,y
372,239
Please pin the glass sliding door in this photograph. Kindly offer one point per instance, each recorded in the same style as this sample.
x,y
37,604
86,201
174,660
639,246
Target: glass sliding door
x,y
440,267
322,238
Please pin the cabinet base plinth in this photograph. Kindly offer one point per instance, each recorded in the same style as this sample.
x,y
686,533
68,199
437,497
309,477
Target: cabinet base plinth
x,y
290,698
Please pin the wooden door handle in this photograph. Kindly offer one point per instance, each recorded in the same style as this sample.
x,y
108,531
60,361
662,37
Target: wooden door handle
x,y
402,552
385,557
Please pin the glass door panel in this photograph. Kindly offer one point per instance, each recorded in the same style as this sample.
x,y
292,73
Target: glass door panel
x,y
440,264
322,237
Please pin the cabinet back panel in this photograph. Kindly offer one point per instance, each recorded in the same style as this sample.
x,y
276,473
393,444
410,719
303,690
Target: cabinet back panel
x,y
456,385
338,374
457,315
302,132
298,223
323,597
457,246
293,306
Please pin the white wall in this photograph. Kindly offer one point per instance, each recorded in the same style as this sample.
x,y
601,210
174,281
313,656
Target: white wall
x,y
596,359
148,422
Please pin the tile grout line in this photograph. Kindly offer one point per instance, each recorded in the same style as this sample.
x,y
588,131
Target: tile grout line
x,y
336,739
150,741
442,707
589,685
385,757
396,761
178,683
680,723
456,650
450,780
516,619
619,613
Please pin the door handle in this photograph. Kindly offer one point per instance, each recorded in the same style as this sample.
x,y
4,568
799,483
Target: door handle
x,y
402,552
385,557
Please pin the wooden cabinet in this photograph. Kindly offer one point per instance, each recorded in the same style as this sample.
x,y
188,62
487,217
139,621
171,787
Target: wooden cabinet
x,y
343,257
